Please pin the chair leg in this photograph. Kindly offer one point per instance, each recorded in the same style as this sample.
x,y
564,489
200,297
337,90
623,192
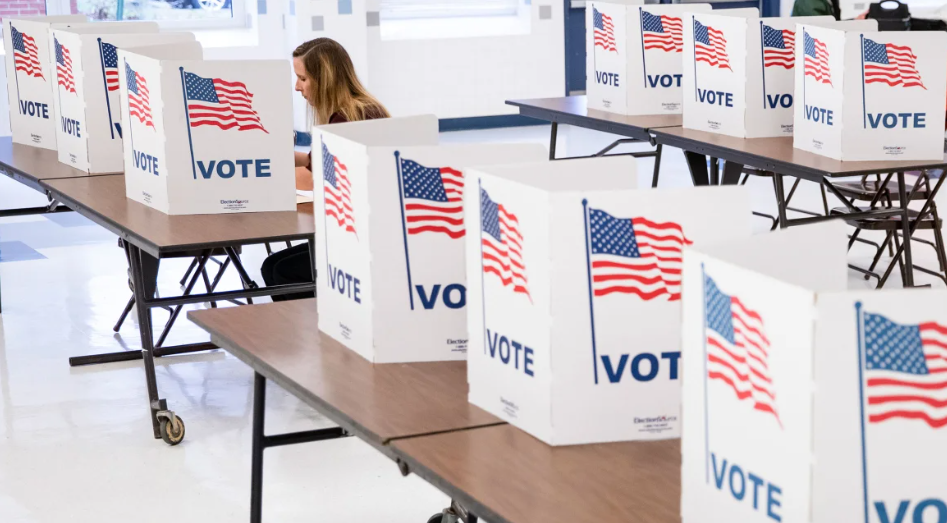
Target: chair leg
x,y
207,285
825,200
878,253
188,273
899,259
128,309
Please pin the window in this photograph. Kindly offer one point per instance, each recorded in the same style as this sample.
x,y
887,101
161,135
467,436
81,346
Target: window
x,y
171,13
402,9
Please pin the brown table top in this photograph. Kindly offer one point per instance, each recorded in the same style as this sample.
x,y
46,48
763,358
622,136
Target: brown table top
x,y
102,199
778,154
31,164
573,110
503,475
376,402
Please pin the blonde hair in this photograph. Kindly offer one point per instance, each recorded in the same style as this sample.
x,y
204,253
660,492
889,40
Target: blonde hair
x,y
334,86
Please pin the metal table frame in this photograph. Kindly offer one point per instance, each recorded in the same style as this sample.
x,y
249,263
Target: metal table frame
x,y
144,256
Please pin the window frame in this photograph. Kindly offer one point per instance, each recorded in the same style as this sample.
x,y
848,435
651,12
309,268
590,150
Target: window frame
x,y
240,20
433,9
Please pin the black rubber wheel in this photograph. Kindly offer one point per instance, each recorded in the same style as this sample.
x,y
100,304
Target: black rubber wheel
x,y
172,433
436,518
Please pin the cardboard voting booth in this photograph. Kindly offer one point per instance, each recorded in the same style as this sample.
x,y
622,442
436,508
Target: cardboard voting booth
x,y
804,401
633,61
89,134
30,79
870,95
752,99
391,236
574,291
205,137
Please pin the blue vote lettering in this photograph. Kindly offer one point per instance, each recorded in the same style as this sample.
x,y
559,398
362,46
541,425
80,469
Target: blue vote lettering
x,y
737,482
228,168
145,162
902,120
644,366
819,115
509,350
783,100
665,80
345,283
715,97
934,506
38,110
606,78
70,126
453,297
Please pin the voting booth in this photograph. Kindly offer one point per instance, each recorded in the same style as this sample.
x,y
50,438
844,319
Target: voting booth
x,y
30,79
752,98
870,95
634,53
205,137
89,134
574,291
391,236
804,401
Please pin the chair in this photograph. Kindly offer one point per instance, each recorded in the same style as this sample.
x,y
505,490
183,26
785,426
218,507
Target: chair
x,y
885,193
752,171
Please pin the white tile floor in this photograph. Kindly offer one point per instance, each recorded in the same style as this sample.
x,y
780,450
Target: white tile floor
x,y
75,444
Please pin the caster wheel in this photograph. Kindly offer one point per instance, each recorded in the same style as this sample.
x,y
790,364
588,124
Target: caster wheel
x,y
172,432
436,518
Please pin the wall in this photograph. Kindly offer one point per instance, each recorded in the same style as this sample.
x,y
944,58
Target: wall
x,y
26,7
449,77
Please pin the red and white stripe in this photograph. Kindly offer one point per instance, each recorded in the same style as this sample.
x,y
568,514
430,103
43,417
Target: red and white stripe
x,y
671,40
786,58
28,62
139,105
716,53
64,71
606,39
900,70
339,200
505,258
444,217
818,67
894,394
656,273
234,110
744,365
111,78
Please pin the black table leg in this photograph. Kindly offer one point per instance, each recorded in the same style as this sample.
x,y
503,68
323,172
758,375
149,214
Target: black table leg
x,y
552,140
697,163
312,261
714,171
906,228
256,468
657,165
780,200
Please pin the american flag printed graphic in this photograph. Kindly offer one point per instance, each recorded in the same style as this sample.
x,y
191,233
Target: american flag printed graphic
x,y
816,59
502,245
603,30
223,104
139,100
64,67
25,53
110,63
905,371
891,64
738,349
662,32
779,47
433,199
337,190
710,46
636,256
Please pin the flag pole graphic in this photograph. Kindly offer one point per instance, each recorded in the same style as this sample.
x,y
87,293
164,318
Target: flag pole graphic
x,y
588,263
703,276
187,117
860,321
483,288
105,83
644,64
763,61
404,227
694,49
804,82
131,133
864,110
16,77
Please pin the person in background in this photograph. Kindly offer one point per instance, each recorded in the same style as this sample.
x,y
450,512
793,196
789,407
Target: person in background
x,y
813,8
325,76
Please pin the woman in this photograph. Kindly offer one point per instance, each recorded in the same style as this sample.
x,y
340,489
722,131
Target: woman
x,y
326,78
